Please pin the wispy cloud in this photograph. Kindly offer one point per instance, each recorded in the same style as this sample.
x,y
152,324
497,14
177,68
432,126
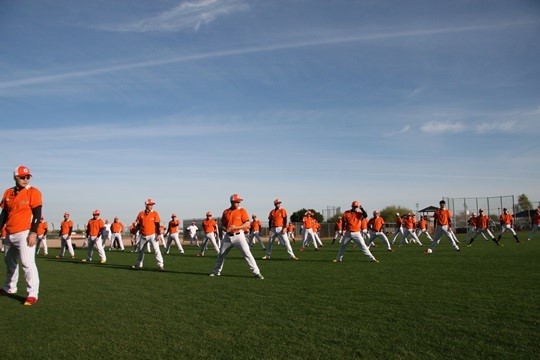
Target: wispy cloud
x,y
314,41
494,127
439,127
187,15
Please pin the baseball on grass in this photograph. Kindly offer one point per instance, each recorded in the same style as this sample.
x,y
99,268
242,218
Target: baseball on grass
x,y
429,251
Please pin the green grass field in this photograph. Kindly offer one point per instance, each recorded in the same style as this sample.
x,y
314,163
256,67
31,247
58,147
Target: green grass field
x,y
480,303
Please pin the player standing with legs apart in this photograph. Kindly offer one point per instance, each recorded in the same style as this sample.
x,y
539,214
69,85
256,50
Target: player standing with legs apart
x,y
234,222
42,231
307,233
422,228
399,230
351,226
443,221
172,235
211,233
471,226
148,224
192,230
117,228
409,224
106,234
277,222
535,223
290,231
94,231
255,232
376,228
66,228
21,211
482,227
507,221
338,233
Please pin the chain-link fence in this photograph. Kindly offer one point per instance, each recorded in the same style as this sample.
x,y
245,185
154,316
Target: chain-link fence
x,y
462,208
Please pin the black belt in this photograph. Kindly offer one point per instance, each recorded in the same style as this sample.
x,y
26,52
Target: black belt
x,y
232,234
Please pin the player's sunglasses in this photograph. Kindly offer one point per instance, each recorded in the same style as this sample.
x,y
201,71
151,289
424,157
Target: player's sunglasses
x,y
24,177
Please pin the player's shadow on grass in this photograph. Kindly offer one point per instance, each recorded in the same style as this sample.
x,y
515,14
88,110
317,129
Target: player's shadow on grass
x,y
15,297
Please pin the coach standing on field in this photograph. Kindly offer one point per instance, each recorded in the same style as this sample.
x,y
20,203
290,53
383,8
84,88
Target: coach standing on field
x,y
21,212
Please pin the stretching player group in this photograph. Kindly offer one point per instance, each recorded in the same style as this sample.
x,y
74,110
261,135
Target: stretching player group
x,y
24,230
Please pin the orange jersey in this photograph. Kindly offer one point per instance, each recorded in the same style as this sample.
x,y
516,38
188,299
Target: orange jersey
x,y
42,228
278,217
117,227
290,227
209,226
255,225
234,217
364,224
482,221
94,227
173,226
352,220
309,222
409,222
442,217
506,219
19,205
472,221
148,222
422,224
66,227
376,224
536,219
338,226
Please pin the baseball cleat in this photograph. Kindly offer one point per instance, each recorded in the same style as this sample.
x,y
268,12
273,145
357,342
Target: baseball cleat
x,y
336,261
103,261
136,267
161,268
294,258
30,301
214,274
374,261
84,260
266,257
258,276
3,292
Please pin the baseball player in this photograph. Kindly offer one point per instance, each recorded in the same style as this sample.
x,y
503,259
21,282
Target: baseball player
x,y
471,228
482,227
535,223
148,224
234,221
422,228
21,211
94,231
172,235
42,236
338,233
161,236
66,228
117,228
408,224
277,222
192,230
290,231
307,233
106,234
376,228
134,232
399,230
211,231
443,221
255,232
507,221
316,232
351,225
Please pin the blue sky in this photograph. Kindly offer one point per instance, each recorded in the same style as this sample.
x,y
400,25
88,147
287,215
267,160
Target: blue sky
x,y
316,102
